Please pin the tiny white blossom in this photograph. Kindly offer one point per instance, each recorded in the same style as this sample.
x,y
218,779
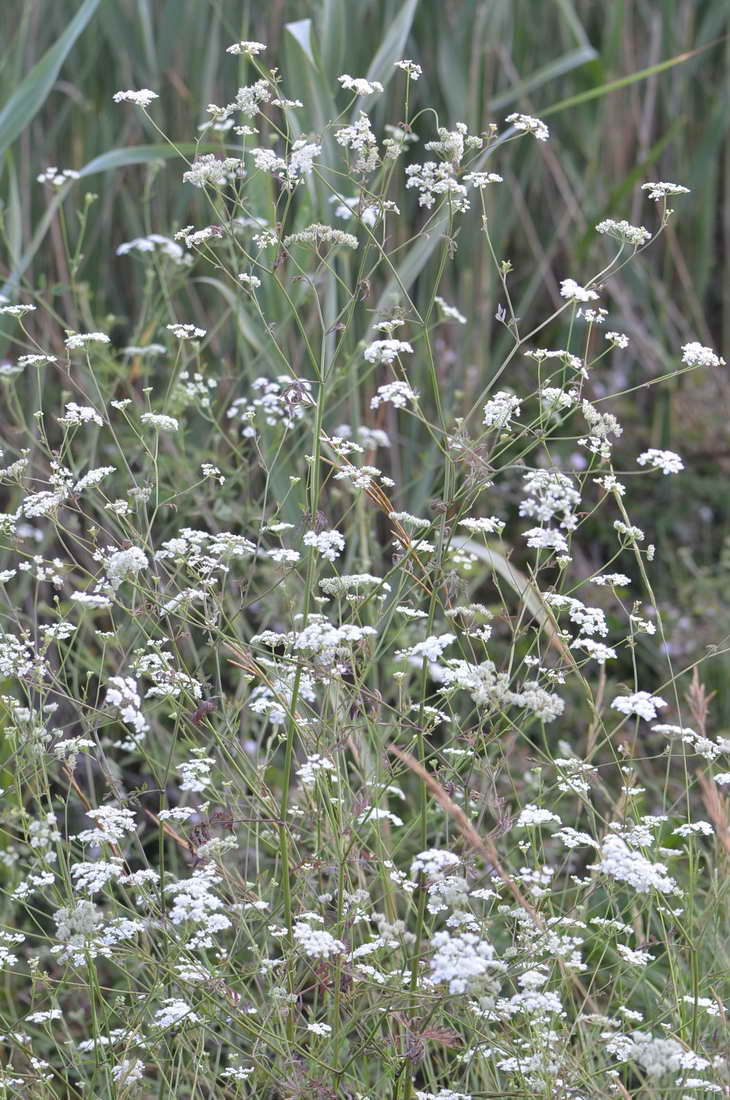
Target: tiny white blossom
x,y
248,49
141,98
695,355
574,292
660,190
635,235
359,85
666,461
640,703
529,125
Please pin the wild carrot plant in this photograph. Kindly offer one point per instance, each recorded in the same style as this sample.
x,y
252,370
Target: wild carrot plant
x,y
344,753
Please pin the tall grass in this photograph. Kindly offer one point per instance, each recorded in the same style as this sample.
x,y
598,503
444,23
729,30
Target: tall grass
x,y
356,741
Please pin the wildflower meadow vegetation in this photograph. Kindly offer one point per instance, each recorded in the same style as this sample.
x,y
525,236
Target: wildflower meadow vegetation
x,y
359,643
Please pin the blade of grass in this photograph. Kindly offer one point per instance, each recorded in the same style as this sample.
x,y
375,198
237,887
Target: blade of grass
x,y
624,81
33,91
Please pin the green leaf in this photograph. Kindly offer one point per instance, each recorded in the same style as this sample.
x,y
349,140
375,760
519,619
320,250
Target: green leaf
x,y
333,29
562,65
142,154
622,82
304,71
33,91
391,48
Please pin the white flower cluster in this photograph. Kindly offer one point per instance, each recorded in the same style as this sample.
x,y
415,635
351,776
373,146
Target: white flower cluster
x,y
434,180
122,694
386,351
625,864
329,544
696,355
359,85
659,190
279,402
500,410
291,170
310,769
197,908
141,98
315,942
666,461
529,125
76,415
641,703
360,139
465,963
157,243
110,825
123,565
623,231
397,394
574,292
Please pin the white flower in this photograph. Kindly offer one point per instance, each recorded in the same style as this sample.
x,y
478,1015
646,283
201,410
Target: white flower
x,y
666,461
79,414
173,1011
195,773
93,477
56,177
317,234
315,942
160,421
187,331
500,409
81,339
16,311
529,125
695,355
248,49
434,179
485,525
536,815
623,864
633,957
395,393
430,649
293,170
359,85
329,544
597,650
574,292
451,313
465,963
550,495
641,703
413,70
319,1029
110,825
545,538
386,351
658,190
155,242
480,180
658,1057
142,98
123,564
635,235
312,766
89,599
